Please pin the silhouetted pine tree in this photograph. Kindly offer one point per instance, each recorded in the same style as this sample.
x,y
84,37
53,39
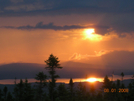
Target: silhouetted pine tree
x,y
81,93
92,92
92,89
131,92
71,85
62,93
28,91
5,92
99,96
1,95
124,94
40,84
53,63
107,84
114,92
118,84
9,97
19,91
119,96
122,75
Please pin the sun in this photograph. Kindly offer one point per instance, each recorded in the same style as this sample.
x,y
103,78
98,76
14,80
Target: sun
x,y
90,34
91,79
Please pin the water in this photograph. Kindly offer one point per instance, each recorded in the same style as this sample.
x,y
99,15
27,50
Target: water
x,y
66,80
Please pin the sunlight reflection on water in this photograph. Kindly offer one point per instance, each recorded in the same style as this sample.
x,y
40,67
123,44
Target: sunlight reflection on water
x,y
66,80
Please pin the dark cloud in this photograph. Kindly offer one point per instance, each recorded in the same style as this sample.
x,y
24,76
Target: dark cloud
x,y
120,59
40,25
56,7
118,14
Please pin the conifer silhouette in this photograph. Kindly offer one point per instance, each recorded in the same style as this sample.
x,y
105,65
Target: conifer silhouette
x,y
52,63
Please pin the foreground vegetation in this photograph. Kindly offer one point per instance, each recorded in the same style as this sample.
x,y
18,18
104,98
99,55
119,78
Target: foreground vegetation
x,y
45,89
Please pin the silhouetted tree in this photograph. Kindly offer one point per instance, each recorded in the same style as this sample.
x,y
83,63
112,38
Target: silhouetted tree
x,y
9,97
99,97
107,84
131,92
114,91
92,89
53,63
62,93
71,85
19,91
1,95
41,83
124,94
28,91
81,94
122,74
5,92
119,95
118,84
15,81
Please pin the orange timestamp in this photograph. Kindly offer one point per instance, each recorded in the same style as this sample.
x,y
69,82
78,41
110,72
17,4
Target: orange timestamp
x,y
120,90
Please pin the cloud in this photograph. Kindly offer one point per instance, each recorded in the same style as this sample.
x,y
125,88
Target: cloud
x,y
40,25
66,7
122,60
77,56
102,52
118,15
74,56
119,58
16,1
27,7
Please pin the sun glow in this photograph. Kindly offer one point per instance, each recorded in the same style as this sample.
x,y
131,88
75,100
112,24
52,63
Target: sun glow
x,y
91,79
90,34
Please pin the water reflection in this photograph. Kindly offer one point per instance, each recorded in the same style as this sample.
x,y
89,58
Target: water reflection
x,y
66,80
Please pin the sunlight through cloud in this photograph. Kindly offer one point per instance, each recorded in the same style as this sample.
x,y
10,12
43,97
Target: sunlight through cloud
x,y
91,35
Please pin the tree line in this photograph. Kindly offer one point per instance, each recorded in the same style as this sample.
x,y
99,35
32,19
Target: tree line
x,y
45,89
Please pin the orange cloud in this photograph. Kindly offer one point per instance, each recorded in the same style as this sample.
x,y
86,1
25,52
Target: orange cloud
x,y
77,56
102,52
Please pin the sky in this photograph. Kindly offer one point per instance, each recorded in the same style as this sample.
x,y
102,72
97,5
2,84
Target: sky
x,y
99,32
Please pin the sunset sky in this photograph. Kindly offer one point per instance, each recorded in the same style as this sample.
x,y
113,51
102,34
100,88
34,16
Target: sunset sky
x,y
99,32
